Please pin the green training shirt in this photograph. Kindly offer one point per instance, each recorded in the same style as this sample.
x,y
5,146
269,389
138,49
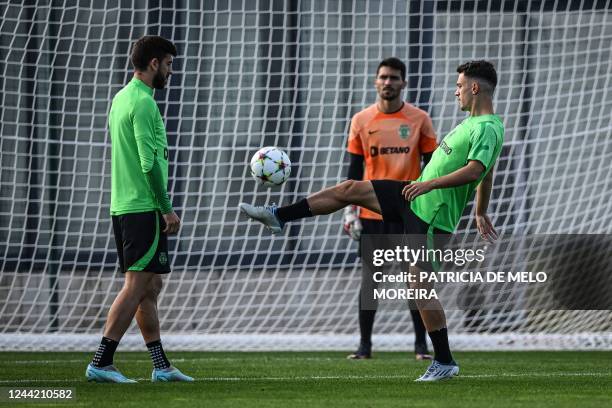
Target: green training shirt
x,y
476,138
139,162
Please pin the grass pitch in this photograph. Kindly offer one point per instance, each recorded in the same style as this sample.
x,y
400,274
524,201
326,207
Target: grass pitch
x,y
325,379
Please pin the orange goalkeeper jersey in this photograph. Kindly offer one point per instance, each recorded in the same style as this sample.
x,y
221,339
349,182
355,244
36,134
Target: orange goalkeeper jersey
x,y
391,144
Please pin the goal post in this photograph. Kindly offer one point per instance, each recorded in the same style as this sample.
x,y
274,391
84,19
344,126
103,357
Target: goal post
x,y
289,74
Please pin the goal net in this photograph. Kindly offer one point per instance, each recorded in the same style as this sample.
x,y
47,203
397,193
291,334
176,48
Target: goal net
x,y
287,74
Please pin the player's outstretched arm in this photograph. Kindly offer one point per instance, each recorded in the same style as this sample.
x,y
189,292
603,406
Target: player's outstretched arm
x,y
483,194
467,174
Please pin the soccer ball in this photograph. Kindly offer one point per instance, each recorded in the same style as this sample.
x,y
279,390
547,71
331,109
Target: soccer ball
x,y
270,166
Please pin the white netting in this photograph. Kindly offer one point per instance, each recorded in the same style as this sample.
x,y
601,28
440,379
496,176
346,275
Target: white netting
x,y
291,74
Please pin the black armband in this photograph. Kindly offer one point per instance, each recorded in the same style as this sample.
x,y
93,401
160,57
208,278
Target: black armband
x,y
426,158
355,171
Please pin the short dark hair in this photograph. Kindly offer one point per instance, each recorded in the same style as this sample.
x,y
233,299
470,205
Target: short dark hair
x,y
149,47
394,63
480,69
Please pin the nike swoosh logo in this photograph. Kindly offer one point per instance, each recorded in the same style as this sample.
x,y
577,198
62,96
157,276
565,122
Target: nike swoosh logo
x,y
372,131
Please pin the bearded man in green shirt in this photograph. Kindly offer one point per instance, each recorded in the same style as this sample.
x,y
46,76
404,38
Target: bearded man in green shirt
x,y
433,204
141,211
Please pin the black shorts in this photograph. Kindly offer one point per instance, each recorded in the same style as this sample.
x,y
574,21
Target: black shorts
x,y
141,244
396,209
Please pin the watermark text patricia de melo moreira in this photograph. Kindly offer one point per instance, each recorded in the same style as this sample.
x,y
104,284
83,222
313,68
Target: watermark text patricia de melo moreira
x,y
445,277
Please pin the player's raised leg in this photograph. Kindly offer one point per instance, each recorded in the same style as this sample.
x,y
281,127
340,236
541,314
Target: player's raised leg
x,y
322,202
334,198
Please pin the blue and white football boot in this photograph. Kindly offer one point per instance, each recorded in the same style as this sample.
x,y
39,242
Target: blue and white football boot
x,y
171,374
265,215
438,371
108,374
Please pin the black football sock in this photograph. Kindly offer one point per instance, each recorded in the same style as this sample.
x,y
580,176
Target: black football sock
x,y
105,353
294,211
420,339
160,361
439,339
366,323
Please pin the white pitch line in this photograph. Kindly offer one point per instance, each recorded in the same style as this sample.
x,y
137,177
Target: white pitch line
x,y
539,375
331,377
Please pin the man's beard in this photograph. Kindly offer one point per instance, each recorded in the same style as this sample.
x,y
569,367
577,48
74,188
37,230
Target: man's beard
x,y
159,80
390,96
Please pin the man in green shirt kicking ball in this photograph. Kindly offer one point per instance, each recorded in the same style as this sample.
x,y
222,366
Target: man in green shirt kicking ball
x,y
141,211
463,163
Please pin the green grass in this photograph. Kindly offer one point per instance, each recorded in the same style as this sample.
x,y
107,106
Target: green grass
x,y
326,379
